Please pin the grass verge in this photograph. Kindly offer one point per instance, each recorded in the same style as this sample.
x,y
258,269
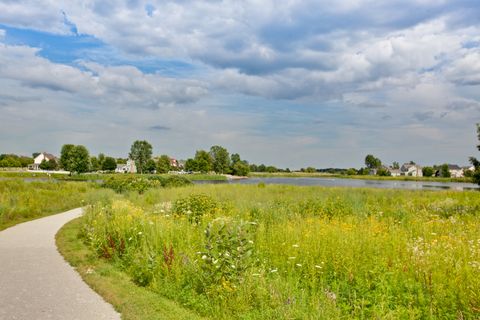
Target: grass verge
x,y
132,301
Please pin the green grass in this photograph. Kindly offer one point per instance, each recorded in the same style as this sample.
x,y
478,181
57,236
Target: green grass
x,y
362,177
115,286
22,201
284,252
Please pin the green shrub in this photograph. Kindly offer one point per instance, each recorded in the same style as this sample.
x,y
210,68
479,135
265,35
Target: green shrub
x,y
195,206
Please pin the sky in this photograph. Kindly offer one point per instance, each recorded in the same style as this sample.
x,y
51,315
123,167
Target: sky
x,y
289,83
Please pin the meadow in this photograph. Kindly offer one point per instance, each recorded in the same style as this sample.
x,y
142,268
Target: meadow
x,y
22,201
286,252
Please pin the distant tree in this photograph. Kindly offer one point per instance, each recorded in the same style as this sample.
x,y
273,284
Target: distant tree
x,y
468,173
383,172
371,162
203,161
109,164
395,165
235,158
94,164
150,166
412,162
363,171
427,171
66,157
163,164
253,168
287,170
310,170
351,172
121,161
262,168
444,172
220,159
79,159
191,165
35,154
271,169
141,152
241,168
48,165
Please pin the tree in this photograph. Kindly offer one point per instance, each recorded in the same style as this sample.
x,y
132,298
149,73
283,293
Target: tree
x,y
141,152
35,154
150,166
427,171
220,159
79,159
310,170
163,164
66,156
203,161
48,165
371,162
383,172
94,164
396,165
475,162
444,171
241,168
191,165
109,164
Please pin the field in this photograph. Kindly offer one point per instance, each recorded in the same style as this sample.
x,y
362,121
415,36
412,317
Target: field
x,y
285,252
21,201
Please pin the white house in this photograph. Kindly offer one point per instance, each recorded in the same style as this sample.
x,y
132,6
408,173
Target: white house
x,y
38,160
411,170
395,172
455,171
129,167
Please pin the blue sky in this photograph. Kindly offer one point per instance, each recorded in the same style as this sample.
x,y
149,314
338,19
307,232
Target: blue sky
x,y
296,83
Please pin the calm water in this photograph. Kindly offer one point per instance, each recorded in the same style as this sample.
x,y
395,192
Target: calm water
x,y
334,182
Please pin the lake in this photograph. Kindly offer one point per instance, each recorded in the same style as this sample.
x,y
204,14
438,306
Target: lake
x,y
357,183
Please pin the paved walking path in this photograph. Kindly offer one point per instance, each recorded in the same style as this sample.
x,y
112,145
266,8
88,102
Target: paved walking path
x,y
35,280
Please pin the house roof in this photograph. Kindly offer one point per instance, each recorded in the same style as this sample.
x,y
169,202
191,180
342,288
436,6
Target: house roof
x,y
454,167
49,156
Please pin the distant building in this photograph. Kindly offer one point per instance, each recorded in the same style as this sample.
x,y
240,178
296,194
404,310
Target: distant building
x,y
173,163
455,171
395,172
128,167
38,160
411,170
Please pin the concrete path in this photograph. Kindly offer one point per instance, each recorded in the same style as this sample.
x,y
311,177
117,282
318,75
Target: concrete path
x,y
35,280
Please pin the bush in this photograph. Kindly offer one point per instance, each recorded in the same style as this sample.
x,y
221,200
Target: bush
x,y
195,206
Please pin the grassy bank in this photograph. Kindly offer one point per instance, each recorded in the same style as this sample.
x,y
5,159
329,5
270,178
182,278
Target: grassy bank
x,y
22,201
256,252
362,177
132,301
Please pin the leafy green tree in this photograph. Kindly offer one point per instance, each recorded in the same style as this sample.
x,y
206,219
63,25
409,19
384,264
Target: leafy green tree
x,y
79,160
351,172
396,165
468,173
383,172
427,171
220,159
371,162
204,161
241,168
444,171
35,154
94,164
141,152
150,166
109,164
310,170
163,164
191,165
66,157
271,169
48,165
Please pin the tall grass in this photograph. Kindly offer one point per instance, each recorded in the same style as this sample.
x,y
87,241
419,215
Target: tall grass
x,y
256,252
22,201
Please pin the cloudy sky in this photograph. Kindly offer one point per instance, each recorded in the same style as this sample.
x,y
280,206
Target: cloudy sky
x,y
290,83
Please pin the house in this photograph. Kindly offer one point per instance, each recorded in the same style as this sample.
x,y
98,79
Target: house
x,y
173,163
128,167
38,160
412,170
395,172
455,171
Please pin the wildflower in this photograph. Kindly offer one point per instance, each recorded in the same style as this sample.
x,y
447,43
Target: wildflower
x,y
204,257
298,264
273,270
250,241
150,223
130,239
295,246
233,266
256,274
318,267
162,211
291,258
140,233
